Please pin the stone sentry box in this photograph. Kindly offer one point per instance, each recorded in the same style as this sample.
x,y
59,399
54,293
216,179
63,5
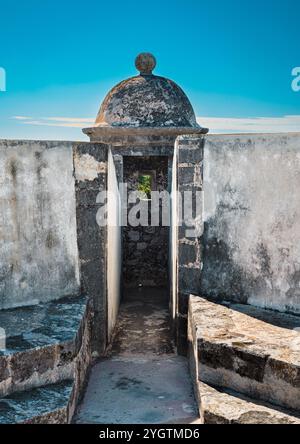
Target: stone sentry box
x,y
140,119
51,243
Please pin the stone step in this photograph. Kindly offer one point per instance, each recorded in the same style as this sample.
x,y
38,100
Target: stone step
x,y
221,407
44,344
43,405
251,351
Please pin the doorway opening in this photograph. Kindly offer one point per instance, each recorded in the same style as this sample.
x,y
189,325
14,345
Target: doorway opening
x,y
144,319
145,247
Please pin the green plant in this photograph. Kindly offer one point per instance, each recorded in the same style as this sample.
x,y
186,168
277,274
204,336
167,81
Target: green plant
x,y
145,184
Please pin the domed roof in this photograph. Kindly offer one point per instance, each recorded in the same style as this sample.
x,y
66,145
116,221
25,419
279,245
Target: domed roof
x,y
146,101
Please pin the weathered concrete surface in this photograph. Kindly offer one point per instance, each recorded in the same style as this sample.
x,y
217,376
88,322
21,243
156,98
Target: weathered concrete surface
x,y
246,352
138,390
38,248
142,381
219,407
252,220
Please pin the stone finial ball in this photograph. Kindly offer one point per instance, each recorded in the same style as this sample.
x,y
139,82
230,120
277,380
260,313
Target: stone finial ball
x,y
145,63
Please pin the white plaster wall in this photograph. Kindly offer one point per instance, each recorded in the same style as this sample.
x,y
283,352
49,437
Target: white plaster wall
x,y
173,259
114,246
38,244
252,220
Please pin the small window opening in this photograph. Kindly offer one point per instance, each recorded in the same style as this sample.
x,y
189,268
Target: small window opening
x,y
146,183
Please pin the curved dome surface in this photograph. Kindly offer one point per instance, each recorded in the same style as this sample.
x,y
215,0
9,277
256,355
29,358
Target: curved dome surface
x,y
147,101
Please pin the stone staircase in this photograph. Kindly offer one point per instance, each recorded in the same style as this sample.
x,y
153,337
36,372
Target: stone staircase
x,y
43,405
44,363
245,363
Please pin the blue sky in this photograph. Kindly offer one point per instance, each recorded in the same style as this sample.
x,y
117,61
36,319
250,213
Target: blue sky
x,y
233,59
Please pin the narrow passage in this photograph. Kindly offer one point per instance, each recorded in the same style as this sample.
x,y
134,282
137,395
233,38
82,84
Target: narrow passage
x,y
142,380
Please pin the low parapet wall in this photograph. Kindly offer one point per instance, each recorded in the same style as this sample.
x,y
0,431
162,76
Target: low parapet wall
x,y
251,240
38,245
248,245
50,243
247,248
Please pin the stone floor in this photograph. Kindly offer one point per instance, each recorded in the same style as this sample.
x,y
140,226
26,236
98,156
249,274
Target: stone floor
x,y
142,380
143,324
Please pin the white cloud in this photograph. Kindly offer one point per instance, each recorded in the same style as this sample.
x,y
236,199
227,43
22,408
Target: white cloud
x,y
64,122
68,119
21,118
251,125
217,125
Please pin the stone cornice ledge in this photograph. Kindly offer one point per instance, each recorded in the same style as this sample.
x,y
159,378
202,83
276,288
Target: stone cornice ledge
x,y
104,131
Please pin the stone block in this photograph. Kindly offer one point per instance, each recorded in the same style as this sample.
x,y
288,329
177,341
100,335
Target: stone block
x,y
183,302
187,253
190,154
4,370
142,245
66,353
134,236
221,407
189,279
185,175
241,349
181,336
24,364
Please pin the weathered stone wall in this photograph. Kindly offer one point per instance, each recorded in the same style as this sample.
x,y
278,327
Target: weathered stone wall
x,y
38,247
51,245
90,167
189,179
145,253
251,241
